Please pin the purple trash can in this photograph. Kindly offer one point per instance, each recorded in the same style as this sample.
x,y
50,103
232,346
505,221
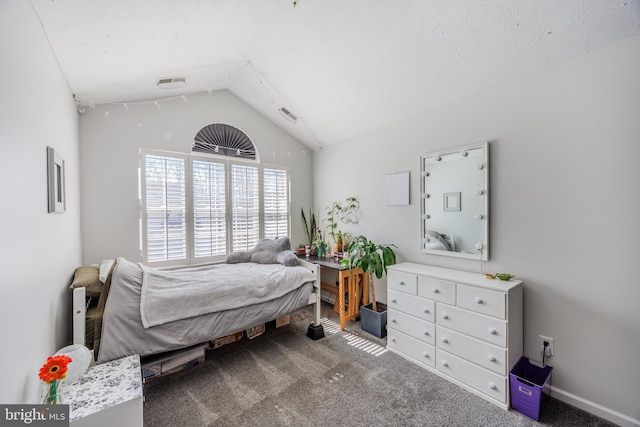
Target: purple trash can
x,y
529,387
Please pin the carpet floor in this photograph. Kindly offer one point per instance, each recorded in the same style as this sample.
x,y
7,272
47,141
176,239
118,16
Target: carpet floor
x,y
348,378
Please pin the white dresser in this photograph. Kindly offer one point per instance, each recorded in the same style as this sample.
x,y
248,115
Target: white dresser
x,y
462,326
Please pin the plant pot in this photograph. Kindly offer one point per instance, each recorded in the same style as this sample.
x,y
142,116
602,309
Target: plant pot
x,y
374,322
321,250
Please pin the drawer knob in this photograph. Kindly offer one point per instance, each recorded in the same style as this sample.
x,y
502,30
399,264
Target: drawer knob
x,y
393,320
479,300
492,358
445,340
394,301
492,386
426,355
401,282
445,316
436,290
492,331
393,339
426,333
426,310
445,363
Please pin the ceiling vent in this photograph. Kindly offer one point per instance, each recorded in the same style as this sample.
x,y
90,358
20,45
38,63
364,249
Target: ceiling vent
x,y
288,114
172,82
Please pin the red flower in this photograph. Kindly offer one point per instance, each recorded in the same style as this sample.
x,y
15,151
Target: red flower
x,y
55,368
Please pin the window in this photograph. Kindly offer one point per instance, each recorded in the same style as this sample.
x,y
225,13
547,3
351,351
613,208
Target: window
x,y
276,203
197,209
209,209
166,208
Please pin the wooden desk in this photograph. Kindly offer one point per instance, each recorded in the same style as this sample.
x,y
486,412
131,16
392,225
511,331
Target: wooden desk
x,y
352,283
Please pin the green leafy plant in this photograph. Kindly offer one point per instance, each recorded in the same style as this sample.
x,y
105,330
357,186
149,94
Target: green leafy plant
x,y
309,226
372,258
346,212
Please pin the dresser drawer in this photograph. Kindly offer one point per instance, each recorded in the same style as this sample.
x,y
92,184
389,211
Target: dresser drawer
x,y
409,346
484,381
481,300
417,328
411,304
405,282
482,353
477,325
437,289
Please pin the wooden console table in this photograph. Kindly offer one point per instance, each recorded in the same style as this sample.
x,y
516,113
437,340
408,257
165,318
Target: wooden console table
x,y
352,283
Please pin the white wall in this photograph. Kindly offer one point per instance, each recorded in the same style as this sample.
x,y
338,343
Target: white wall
x,y
109,158
565,147
39,251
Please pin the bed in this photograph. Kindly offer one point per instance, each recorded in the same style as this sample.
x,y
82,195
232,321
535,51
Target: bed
x,y
146,311
439,242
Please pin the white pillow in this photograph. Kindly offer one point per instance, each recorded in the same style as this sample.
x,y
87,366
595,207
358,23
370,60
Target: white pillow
x,y
435,241
105,268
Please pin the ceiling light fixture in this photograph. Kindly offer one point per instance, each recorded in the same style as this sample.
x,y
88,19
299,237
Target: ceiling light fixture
x,y
172,82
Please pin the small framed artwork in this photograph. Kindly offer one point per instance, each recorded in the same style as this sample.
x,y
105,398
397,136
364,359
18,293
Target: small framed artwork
x,y
55,181
398,189
451,202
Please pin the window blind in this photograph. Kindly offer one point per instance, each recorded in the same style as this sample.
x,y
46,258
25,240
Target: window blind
x,y
198,208
165,213
209,209
245,207
276,203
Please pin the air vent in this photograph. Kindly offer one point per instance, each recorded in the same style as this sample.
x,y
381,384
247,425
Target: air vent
x,y
172,82
288,114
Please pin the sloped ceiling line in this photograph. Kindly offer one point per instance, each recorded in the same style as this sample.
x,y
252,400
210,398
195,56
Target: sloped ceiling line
x,y
344,67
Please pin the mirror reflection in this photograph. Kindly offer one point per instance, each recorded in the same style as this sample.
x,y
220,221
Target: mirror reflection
x,y
455,202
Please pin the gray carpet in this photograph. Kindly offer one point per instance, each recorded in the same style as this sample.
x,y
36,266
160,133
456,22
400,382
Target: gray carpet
x,y
283,378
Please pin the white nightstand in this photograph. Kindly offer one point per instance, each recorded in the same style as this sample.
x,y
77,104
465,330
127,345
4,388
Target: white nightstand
x,y
107,395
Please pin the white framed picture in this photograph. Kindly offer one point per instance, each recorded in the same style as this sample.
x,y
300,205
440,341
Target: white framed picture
x,y
451,202
398,189
55,181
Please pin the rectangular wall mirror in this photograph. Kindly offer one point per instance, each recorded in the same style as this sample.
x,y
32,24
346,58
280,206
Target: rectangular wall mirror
x,y
455,202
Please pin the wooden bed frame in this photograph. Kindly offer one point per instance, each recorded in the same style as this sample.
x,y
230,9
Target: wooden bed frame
x,y
79,306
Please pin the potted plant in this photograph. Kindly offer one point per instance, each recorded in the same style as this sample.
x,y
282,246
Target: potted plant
x,y
346,212
309,226
373,259
319,246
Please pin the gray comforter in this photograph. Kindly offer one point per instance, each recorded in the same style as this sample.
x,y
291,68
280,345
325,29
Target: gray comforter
x,y
123,332
179,294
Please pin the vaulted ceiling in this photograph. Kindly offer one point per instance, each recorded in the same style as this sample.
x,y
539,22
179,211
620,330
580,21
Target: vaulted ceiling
x,y
343,67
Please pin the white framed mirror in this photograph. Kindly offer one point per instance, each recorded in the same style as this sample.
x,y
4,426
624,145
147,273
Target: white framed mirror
x,y
455,202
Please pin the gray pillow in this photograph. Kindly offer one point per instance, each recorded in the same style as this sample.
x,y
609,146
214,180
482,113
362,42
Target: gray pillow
x,y
274,245
288,258
267,251
236,257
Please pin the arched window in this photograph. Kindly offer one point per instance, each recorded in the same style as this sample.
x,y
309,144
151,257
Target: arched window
x,y
224,140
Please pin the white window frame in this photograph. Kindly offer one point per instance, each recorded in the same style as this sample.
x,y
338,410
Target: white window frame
x,y
190,258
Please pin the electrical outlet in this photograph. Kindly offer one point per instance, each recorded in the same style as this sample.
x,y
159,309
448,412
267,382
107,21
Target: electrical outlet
x,y
550,349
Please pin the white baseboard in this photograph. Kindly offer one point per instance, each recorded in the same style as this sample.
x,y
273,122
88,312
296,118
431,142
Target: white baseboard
x,y
594,408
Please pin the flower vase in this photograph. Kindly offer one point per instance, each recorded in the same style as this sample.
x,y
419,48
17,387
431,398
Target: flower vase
x,y
51,393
